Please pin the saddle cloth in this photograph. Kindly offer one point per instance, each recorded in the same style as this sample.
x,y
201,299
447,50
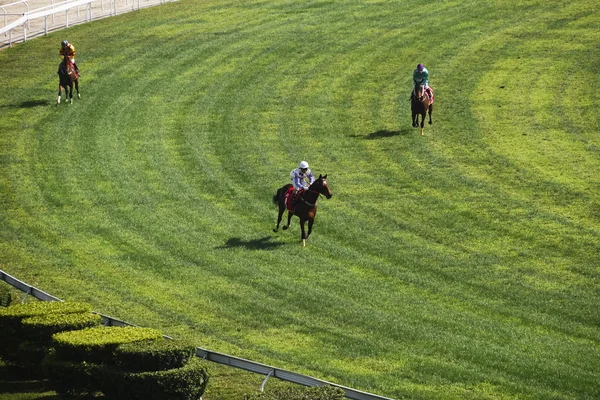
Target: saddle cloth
x,y
430,91
287,198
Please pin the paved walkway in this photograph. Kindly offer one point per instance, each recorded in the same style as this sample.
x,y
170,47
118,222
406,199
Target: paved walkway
x,y
12,10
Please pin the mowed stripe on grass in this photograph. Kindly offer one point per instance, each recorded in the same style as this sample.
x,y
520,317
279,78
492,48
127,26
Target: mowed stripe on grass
x,y
458,265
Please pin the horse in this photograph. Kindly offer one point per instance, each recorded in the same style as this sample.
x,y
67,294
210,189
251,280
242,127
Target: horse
x,y
67,76
306,204
420,104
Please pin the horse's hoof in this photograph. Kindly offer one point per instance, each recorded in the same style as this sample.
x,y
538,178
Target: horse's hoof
x,y
303,242
285,228
79,97
275,230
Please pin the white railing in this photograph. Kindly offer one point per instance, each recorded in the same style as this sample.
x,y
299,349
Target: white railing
x,y
21,22
209,355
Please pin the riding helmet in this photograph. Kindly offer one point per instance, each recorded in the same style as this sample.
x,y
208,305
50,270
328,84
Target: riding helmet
x,y
420,67
65,43
303,164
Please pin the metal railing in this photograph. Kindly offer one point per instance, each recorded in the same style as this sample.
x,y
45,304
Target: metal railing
x,y
209,355
21,25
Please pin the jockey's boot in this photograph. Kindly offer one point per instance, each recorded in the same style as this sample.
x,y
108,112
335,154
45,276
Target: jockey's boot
x,y
293,201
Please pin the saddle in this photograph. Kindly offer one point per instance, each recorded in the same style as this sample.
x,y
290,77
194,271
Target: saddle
x,y
429,92
289,200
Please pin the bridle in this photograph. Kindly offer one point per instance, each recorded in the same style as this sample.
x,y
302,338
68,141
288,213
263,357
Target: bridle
x,y
313,191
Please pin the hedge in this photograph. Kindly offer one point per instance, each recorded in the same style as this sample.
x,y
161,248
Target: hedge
x,y
98,345
5,295
19,311
42,327
185,383
155,356
69,378
300,393
20,345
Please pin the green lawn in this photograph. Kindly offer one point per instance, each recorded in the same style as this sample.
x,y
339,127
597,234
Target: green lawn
x,y
458,265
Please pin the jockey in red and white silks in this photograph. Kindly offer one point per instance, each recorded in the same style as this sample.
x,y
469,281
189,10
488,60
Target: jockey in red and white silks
x,y
301,177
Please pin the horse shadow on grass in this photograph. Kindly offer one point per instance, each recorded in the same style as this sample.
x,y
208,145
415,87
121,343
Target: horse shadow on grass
x,y
28,104
264,243
383,133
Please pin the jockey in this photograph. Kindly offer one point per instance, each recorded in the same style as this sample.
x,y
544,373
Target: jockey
x,y
299,177
421,77
67,49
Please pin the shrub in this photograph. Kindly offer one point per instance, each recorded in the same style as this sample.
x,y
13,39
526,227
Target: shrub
x,y
5,295
13,332
19,311
301,393
155,356
42,327
185,383
98,345
71,378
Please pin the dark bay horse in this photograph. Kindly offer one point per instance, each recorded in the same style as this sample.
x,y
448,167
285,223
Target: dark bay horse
x,y
420,104
306,205
67,78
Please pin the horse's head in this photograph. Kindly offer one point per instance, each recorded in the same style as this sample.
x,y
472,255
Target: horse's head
x,y
320,186
420,92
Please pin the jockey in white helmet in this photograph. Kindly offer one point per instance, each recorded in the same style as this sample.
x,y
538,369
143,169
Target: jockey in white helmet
x,y
302,178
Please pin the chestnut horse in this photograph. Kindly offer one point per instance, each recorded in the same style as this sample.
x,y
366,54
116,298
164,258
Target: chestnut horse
x,y
306,205
420,104
66,78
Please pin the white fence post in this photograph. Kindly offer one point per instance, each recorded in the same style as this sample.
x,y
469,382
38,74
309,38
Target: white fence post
x,y
54,10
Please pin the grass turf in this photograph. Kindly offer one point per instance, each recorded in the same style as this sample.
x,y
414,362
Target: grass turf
x,y
462,264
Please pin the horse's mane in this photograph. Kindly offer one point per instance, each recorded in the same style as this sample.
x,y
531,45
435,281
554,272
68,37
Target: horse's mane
x,y
62,68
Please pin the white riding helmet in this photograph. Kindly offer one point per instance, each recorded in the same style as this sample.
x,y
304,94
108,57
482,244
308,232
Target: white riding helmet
x,y
303,164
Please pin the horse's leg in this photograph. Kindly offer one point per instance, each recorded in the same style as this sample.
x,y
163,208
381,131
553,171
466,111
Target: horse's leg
x,y
71,93
430,111
303,234
279,215
311,221
59,94
290,214
415,118
423,122
77,88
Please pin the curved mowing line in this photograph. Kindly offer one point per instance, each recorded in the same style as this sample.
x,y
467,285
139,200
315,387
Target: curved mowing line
x,y
441,268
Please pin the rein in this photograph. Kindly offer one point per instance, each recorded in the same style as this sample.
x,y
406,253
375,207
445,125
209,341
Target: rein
x,y
312,204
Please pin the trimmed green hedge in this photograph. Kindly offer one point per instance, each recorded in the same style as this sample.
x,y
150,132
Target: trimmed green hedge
x,y
24,344
42,327
5,295
185,383
155,356
19,311
71,379
83,378
98,345
301,393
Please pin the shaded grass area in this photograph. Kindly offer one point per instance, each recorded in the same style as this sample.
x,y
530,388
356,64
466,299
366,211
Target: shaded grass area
x,y
459,265
225,383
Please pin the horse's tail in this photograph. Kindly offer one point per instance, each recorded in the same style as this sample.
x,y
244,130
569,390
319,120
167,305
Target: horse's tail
x,y
276,197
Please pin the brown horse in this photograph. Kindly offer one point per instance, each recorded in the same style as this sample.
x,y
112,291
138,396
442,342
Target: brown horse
x,y
306,205
67,77
420,104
